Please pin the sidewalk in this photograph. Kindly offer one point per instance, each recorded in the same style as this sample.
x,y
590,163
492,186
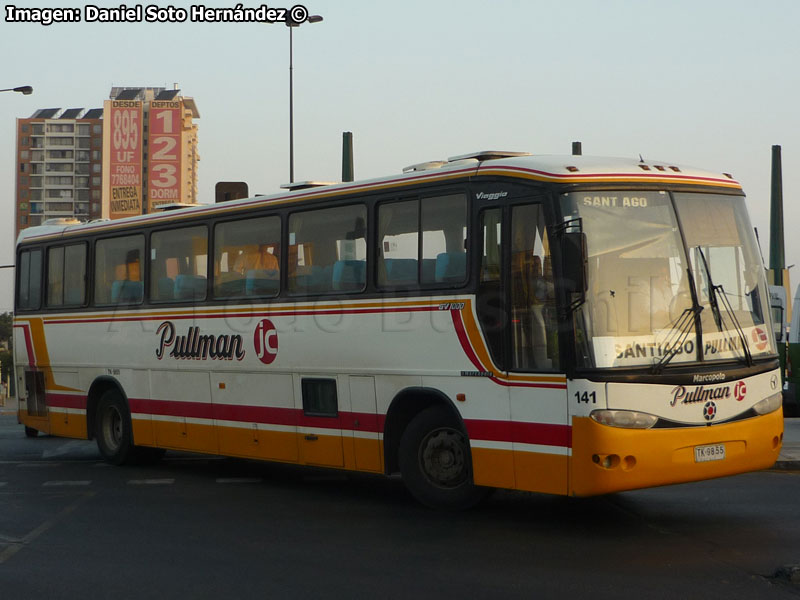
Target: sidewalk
x,y
789,459
8,406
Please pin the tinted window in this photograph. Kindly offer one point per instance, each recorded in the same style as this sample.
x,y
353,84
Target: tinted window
x,y
319,398
118,271
179,264
437,255
247,257
29,293
328,250
66,275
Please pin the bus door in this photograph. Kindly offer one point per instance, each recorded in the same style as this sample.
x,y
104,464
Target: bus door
x,y
517,311
319,402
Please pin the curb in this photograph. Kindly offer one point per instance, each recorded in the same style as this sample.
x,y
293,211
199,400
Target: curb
x,y
786,465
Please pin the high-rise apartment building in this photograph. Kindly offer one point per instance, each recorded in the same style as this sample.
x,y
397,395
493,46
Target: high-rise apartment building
x,y
150,150
136,153
59,166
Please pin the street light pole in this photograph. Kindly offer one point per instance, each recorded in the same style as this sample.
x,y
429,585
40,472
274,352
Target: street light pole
x,y
291,107
291,25
25,90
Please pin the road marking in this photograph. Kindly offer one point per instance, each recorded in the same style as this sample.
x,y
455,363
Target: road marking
x,y
17,545
151,482
239,480
72,447
72,483
2,483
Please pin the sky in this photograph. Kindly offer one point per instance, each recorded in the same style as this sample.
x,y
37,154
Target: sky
x,y
708,83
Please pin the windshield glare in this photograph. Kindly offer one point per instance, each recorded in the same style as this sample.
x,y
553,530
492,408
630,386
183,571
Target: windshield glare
x,y
639,307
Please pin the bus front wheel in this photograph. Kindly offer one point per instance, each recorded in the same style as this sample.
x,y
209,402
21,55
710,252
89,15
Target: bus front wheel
x,y
435,461
113,430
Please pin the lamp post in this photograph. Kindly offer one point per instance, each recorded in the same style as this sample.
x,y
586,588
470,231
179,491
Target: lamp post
x,y
26,90
291,25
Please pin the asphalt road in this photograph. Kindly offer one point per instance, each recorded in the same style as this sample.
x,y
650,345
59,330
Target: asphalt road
x,y
197,527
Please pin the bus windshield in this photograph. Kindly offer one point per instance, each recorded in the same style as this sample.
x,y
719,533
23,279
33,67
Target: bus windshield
x,y
644,294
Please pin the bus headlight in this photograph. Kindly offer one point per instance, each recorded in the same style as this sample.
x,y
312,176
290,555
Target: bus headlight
x,y
629,419
768,404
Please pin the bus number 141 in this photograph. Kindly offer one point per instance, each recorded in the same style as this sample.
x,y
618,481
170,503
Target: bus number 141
x,y
586,397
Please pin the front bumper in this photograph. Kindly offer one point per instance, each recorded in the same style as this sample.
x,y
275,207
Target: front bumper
x,y
611,459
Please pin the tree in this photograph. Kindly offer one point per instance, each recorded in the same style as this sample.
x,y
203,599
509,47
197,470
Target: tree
x,y
7,370
6,360
6,323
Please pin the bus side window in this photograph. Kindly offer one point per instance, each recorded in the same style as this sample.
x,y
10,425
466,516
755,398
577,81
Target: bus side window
x,y
179,264
247,258
117,271
444,236
398,239
443,258
66,275
29,293
55,276
328,250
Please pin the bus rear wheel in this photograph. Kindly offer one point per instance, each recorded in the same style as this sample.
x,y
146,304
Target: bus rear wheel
x,y
31,432
435,461
113,430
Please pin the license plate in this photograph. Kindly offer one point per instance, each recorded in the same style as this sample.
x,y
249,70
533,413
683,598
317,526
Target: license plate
x,y
711,452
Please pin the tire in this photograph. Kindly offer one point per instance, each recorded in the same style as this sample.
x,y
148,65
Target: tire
x,y
31,432
435,461
113,430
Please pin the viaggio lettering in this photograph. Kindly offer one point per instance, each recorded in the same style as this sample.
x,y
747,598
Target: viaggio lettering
x,y
196,346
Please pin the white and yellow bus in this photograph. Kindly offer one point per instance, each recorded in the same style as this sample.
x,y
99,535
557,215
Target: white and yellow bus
x,y
568,325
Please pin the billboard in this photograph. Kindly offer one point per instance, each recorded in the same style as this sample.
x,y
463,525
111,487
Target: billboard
x,y
122,172
164,147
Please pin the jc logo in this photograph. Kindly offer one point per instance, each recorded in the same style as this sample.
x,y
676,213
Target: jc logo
x,y
265,340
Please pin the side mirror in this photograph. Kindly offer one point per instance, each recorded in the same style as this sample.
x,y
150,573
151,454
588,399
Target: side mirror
x,y
574,258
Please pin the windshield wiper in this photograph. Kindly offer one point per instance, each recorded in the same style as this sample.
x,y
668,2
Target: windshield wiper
x,y
681,330
726,304
713,291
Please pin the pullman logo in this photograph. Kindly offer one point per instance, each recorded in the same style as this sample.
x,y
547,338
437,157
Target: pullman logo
x,y
197,346
700,394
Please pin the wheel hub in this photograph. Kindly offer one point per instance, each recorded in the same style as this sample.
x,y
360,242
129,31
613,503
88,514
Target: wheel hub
x,y
112,428
443,458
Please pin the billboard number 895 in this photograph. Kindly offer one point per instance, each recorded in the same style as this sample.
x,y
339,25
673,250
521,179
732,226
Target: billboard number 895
x,y
126,130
